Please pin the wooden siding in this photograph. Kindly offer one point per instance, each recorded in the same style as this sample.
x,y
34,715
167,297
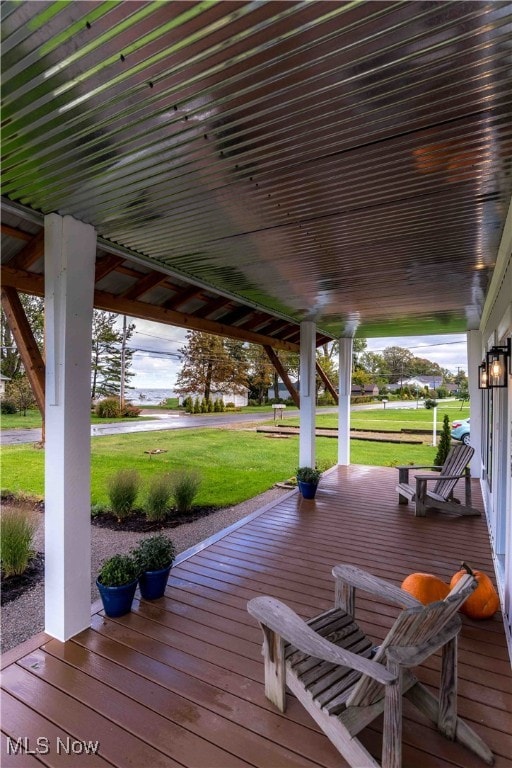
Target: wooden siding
x,y
179,682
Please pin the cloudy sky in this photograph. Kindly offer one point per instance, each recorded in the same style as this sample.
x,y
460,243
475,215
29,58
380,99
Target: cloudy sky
x,y
156,362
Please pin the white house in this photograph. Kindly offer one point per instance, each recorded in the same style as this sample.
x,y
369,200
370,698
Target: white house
x,y
3,380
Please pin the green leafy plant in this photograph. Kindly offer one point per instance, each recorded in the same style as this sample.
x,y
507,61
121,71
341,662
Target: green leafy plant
x,y
154,553
118,570
123,488
158,497
17,533
308,475
185,485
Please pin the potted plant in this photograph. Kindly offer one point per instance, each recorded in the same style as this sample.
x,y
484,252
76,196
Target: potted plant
x,y
308,479
154,557
117,582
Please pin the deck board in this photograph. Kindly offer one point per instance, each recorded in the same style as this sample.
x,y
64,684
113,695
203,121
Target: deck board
x,y
179,682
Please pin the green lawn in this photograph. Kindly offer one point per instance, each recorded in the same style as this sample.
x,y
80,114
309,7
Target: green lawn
x,y
33,420
394,419
235,464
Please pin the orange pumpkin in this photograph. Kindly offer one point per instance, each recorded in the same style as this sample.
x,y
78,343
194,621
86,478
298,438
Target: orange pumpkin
x,y
425,587
484,601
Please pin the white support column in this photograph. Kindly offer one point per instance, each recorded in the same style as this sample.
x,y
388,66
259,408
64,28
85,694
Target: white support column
x,y
475,356
70,252
345,387
307,394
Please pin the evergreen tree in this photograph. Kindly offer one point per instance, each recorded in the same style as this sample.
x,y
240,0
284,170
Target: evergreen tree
x,y
444,443
106,355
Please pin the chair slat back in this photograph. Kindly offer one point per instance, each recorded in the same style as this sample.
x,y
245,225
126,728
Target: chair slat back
x,y
414,627
455,464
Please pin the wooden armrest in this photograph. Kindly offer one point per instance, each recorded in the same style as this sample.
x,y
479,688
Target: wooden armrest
x,y
284,622
439,477
356,577
418,466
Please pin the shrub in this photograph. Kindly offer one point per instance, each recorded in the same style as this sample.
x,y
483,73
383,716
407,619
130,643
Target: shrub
x,y
17,533
444,443
430,403
123,488
118,570
130,411
98,509
185,485
108,408
158,497
7,406
197,406
154,553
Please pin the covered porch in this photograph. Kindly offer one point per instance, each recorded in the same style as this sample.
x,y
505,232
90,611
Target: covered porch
x,y
180,682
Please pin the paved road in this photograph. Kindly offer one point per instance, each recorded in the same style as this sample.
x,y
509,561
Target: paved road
x,y
172,420
160,421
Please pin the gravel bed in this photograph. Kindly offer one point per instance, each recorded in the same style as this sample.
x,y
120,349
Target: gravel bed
x,y
24,617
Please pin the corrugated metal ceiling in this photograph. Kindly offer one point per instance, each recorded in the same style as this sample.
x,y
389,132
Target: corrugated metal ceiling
x,y
343,162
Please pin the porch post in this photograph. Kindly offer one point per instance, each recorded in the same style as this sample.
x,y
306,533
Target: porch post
x,y
345,386
70,252
307,394
475,354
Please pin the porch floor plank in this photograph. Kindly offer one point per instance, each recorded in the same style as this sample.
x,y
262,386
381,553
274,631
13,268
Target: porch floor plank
x,y
179,682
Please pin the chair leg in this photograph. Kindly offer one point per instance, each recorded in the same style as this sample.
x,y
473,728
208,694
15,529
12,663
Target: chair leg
x,y
447,718
392,731
275,673
421,494
428,704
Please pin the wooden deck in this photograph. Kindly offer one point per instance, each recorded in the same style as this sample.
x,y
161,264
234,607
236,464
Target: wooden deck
x,y
179,682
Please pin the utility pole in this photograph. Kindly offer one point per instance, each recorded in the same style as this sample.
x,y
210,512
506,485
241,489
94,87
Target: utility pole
x,y
123,366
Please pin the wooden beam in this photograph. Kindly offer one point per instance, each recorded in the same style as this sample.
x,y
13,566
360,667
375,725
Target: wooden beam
x,y
283,373
105,266
30,253
27,345
17,233
326,380
29,282
145,284
183,297
212,306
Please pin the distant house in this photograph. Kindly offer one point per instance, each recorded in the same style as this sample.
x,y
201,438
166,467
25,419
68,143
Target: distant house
x,y
283,393
239,400
368,389
3,380
418,382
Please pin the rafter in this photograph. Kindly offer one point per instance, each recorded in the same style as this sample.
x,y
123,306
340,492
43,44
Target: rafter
x,y
33,251
183,297
145,284
17,233
105,266
28,282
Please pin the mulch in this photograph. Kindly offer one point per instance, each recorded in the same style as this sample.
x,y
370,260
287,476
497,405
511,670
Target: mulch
x,y
15,586
137,522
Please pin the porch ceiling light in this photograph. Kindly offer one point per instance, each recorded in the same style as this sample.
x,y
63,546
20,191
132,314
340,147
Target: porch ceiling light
x,y
497,372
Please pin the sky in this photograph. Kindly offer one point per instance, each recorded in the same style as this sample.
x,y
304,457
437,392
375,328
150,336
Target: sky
x,y
156,362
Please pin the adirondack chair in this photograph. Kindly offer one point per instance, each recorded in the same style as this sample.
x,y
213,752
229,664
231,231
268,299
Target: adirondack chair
x,y
441,496
344,683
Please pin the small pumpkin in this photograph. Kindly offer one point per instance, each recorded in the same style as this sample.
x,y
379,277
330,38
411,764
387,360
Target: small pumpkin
x,y
425,587
484,601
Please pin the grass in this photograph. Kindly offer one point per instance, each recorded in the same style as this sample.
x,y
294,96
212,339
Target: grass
x,y
33,420
235,465
394,419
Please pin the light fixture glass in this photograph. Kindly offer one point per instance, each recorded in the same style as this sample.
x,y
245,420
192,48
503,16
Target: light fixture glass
x,y
483,379
497,367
